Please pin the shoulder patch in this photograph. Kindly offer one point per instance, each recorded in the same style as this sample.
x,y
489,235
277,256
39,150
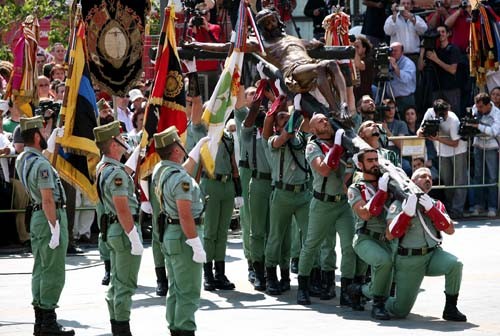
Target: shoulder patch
x,y
393,208
44,173
185,186
118,181
350,195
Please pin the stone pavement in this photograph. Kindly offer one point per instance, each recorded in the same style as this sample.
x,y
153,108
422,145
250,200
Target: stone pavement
x,y
247,312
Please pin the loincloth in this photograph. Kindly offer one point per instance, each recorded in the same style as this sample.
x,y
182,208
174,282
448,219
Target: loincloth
x,y
299,86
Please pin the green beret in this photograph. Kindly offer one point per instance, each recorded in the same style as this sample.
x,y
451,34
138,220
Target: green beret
x,y
106,132
166,137
29,123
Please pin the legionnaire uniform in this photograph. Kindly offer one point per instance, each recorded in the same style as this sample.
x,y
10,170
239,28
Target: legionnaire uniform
x,y
174,183
48,275
219,209
245,176
290,198
113,180
419,254
372,247
103,248
259,193
329,213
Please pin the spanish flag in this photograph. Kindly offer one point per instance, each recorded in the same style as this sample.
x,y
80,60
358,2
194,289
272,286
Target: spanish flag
x,y
167,103
78,154
225,94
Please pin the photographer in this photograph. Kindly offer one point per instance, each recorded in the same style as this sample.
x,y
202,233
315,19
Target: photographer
x,y
405,27
317,10
440,15
486,153
459,23
441,69
201,30
363,60
404,77
452,153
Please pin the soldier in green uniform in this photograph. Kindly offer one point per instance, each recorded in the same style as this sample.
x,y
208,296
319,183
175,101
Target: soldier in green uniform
x,y
367,198
120,225
222,190
290,197
329,212
48,227
181,205
419,252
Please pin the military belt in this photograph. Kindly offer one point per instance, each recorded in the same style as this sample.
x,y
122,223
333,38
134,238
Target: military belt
x,y
291,187
415,252
114,218
373,234
220,177
176,221
329,198
261,176
244,164
59,205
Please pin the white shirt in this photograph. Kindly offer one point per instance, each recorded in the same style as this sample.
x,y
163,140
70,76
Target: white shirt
x,y
489,125
448,127
405,32
126,119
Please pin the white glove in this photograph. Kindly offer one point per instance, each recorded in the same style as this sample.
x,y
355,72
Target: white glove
x,y
238,202
195,152
383,181
426,201
410,205
296,102
338,136
260,70
133,159
135,241
146,207
277,83
55,231
199,255
51,141
190,65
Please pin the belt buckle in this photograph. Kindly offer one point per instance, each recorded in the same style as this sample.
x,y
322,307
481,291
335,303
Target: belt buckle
x,y
425,250
336,198
224,178
296,188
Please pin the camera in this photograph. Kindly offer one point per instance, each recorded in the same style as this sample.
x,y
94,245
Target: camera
x,y
400,8
382,54
464,4
196,14
430,127
465,131
429,39
45,107
438,4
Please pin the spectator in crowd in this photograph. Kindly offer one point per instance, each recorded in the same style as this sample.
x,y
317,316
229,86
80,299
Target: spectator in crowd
x,y
317,10
405,27
452,152
105,112
394,127
495,96
440,69
404,77
285,10
137,121
59,89
124,113
58,72
83,219
440,15
374,19
41,60
44,92
363,60
459,23
59,53
136,98
410,117
418,162
486,154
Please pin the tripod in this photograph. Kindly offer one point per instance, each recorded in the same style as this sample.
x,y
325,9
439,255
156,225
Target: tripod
x,y
383,86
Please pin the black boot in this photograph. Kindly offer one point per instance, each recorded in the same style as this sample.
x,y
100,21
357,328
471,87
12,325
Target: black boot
x,y
208,273
221,281
38,320
260,279
174,332
303,291
355,293
161,281
361,279
113,326
285,279
327,285
294,266
315,289
451,312
107,273
122,328
185,333
272,284
378,308
50,327
345,300
251,272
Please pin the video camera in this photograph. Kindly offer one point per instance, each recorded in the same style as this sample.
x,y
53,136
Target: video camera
x,y
431,127
196,14
380,112
382,54
464,4
429,39
468,131
45,107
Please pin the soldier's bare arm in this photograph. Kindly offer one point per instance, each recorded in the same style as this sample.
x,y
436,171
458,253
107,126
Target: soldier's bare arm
x,y
123,212
186,218
49,205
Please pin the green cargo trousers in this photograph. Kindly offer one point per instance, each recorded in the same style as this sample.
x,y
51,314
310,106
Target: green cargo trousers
x,y
245,214
158,257
258,198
